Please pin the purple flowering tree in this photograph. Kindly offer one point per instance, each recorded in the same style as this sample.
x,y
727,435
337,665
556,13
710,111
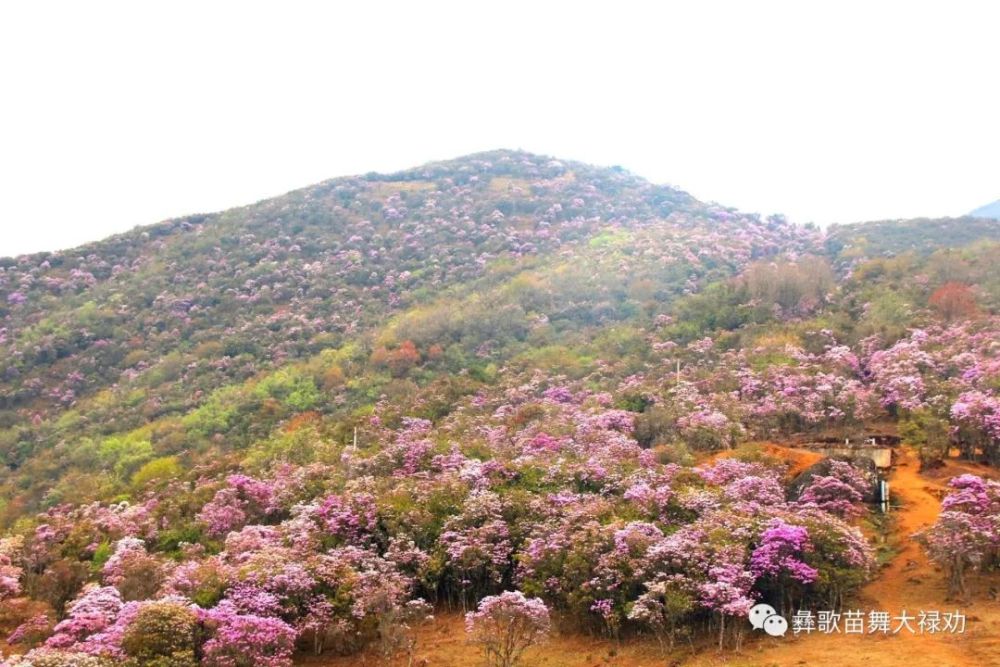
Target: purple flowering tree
x,y
727,593
966,535
778,560
976,418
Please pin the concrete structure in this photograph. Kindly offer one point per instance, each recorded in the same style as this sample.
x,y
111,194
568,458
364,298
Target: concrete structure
x,y
880,456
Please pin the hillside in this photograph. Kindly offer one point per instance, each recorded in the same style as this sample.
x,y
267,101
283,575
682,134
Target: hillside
x,y
144,327
297,426
889,238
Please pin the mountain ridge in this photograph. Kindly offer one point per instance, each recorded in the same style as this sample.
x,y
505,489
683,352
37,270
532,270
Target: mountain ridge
x,y
461,167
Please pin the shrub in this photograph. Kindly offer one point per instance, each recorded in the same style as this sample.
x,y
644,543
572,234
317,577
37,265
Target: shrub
x,y
954,301
966,535
32,632
663,607
163,635
10,570
60,583
162,468
929,433
396,628
247,640
92,612
133,571
506,625
54,658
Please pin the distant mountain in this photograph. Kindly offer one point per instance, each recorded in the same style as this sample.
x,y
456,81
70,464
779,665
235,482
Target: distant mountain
x,y
988,211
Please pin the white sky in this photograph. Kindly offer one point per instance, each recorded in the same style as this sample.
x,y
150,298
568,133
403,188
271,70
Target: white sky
x,y
119,114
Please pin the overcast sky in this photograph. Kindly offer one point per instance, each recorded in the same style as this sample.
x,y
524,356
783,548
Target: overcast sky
x,y
119,114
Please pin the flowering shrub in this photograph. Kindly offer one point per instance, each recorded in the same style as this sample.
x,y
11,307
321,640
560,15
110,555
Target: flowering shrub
x,y
839,492
506,625
977,421
663,608
779,560
351,519
561,564
32,632
133,571
840,554
95,609
727,593
246,640
966,535
10,570
244,500
477,544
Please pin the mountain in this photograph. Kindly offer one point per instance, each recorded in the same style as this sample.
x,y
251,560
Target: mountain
x,y
988,211
145,326
294,424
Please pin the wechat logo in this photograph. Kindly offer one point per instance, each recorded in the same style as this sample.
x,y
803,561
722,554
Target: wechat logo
x,y
764,617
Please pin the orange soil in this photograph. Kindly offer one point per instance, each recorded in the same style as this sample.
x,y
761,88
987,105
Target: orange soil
x,y
442,643
797,460
908,582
